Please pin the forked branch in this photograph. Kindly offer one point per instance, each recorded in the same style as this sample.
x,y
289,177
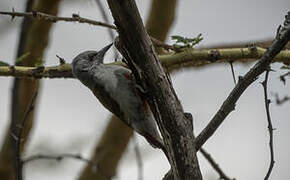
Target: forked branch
x,y
282,37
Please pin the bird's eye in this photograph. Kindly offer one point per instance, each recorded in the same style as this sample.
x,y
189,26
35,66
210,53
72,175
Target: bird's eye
x,y
91,56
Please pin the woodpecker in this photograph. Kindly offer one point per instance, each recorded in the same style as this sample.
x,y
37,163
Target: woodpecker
x,y
115,87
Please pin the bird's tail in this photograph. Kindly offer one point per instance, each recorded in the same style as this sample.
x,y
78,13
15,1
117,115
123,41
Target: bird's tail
x,y
156,142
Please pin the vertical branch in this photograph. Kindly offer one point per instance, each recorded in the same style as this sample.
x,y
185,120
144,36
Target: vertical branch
x,y
168,112
270,127
122,131
106,20
17,136
15,128
33,41
282,38
7,158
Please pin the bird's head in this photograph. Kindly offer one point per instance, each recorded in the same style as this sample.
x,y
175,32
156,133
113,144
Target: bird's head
x,y
85,60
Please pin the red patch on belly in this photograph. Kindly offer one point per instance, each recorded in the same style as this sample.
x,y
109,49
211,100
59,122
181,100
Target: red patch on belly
x,y
127,76
137,92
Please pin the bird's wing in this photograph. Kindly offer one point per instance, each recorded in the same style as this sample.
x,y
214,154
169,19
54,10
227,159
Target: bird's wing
x,y
106,87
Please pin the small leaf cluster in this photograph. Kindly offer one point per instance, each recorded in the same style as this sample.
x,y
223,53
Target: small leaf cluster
x,y
185,41
2,63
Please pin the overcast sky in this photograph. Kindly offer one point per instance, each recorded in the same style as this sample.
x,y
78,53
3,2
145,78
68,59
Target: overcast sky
x,y
70,119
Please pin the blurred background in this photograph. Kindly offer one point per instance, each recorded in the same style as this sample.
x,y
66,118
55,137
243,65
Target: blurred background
x,y
69,119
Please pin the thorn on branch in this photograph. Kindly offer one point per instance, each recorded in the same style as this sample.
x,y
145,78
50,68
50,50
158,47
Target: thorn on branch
x,y
74,15
12,16
253,48
233,71
59,158
61,60
270,127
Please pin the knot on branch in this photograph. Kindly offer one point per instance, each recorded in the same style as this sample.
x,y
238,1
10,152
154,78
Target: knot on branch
x,y
189,118
253,48
214,55
35,72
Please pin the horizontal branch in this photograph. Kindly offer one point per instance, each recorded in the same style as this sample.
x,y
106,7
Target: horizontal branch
x,y
51,18
58,158
74,18
61,71
193,58
187,58
78,18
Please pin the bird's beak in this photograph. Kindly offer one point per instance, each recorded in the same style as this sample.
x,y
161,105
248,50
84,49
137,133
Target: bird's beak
x,y
100,55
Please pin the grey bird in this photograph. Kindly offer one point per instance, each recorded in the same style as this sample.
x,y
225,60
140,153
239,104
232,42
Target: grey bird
x,y
116,89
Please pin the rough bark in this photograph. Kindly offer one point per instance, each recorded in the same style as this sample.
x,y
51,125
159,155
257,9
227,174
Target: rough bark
x,y
175,128
190,58
122,131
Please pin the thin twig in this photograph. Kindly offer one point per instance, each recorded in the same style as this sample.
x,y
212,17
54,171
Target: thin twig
x,y
106,19
29,110
18,137
138,158
282,37
214,165
77,18
51,18
233,71
270,127
58,158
